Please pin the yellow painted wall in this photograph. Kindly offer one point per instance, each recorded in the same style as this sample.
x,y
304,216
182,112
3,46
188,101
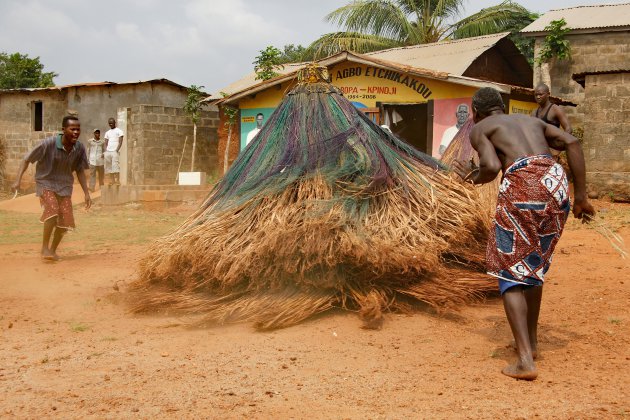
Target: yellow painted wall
x,y
269,98
520,107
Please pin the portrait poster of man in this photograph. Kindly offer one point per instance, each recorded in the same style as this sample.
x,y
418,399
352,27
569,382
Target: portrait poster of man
x,y
252,121
448,117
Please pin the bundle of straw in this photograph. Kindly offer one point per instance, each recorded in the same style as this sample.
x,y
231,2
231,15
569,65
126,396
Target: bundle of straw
x,y
323,209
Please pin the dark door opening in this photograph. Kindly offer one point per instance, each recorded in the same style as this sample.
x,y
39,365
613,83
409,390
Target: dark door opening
x,y
411,122
38,116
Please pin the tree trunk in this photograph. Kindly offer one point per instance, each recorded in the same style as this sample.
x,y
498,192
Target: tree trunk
x,y
227,150
194,147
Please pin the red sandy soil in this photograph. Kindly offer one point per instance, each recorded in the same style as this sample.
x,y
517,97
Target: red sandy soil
x,y
70,349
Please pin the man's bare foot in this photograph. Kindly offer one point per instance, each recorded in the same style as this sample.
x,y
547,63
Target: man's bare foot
x,y
48,255
517,371
512,345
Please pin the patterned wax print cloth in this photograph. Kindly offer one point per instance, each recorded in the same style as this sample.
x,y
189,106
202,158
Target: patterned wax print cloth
x,y
55,205
532,208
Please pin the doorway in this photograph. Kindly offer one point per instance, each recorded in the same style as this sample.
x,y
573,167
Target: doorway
x,y
413,123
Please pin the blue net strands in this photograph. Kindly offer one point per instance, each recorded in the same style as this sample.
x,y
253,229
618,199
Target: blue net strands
x,y
322,209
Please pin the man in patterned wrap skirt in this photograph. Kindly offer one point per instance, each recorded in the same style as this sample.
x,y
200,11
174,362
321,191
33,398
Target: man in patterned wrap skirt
x,y
532,207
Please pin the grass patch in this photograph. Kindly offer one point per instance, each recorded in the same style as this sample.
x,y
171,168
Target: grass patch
x,y
109,339
79,327
614,320
95,228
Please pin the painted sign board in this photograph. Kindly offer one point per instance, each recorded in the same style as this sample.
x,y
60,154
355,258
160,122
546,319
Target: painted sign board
x,y
521,107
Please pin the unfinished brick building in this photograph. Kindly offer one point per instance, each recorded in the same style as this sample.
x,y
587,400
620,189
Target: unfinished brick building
x,y
597,79
149,113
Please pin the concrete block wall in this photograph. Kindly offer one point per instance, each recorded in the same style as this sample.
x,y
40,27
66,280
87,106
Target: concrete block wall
x,y
156,137
607,134
94,105
16,128
590,52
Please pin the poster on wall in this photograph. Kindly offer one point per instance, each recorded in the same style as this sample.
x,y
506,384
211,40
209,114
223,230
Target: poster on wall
x,y
448,117
252,121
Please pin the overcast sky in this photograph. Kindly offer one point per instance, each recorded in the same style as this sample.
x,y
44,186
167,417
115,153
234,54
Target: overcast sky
x,y
203,42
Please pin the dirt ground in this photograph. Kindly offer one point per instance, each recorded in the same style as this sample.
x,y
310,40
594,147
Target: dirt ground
x,y
70,349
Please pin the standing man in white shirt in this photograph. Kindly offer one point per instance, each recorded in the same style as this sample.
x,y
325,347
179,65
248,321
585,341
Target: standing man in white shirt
x,y
96,156
113,143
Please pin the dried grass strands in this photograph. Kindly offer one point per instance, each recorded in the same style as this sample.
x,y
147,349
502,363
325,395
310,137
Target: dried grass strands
x,y
323,209
615,240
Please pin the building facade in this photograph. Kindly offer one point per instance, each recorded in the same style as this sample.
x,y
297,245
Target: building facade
x,y
149,113
422,93
596,78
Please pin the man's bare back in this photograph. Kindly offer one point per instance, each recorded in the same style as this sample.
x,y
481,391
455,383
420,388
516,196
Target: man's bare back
x,y
513,136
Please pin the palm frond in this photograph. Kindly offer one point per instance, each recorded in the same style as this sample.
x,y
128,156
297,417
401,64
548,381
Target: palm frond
x,y
335,42
381,18
504,17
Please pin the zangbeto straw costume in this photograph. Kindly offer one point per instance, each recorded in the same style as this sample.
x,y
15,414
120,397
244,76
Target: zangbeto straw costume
x,y
532,208
322,210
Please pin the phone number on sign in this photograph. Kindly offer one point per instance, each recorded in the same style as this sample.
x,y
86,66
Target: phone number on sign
x,y
361,96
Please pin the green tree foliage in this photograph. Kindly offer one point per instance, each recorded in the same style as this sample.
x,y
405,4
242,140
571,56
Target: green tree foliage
x,y
555,44
266,63
293,54
18,71
193,107
193,104
372,25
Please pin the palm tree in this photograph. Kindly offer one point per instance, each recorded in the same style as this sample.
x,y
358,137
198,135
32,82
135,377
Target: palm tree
x,y
372,25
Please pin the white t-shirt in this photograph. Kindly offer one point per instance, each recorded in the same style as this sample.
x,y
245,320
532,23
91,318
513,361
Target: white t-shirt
x,y
113,138
251,135
95,152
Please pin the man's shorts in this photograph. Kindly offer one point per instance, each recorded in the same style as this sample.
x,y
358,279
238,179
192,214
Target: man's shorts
x,y
112,165
58,206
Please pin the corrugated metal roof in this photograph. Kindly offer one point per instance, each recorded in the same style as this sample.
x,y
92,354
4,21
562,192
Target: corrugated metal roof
x,y
581,77
250,80
452,57
93,84
598,16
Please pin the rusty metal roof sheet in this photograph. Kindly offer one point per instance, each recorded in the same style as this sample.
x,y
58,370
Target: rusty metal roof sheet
x,y
585,18
581,77
93,84
250,80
